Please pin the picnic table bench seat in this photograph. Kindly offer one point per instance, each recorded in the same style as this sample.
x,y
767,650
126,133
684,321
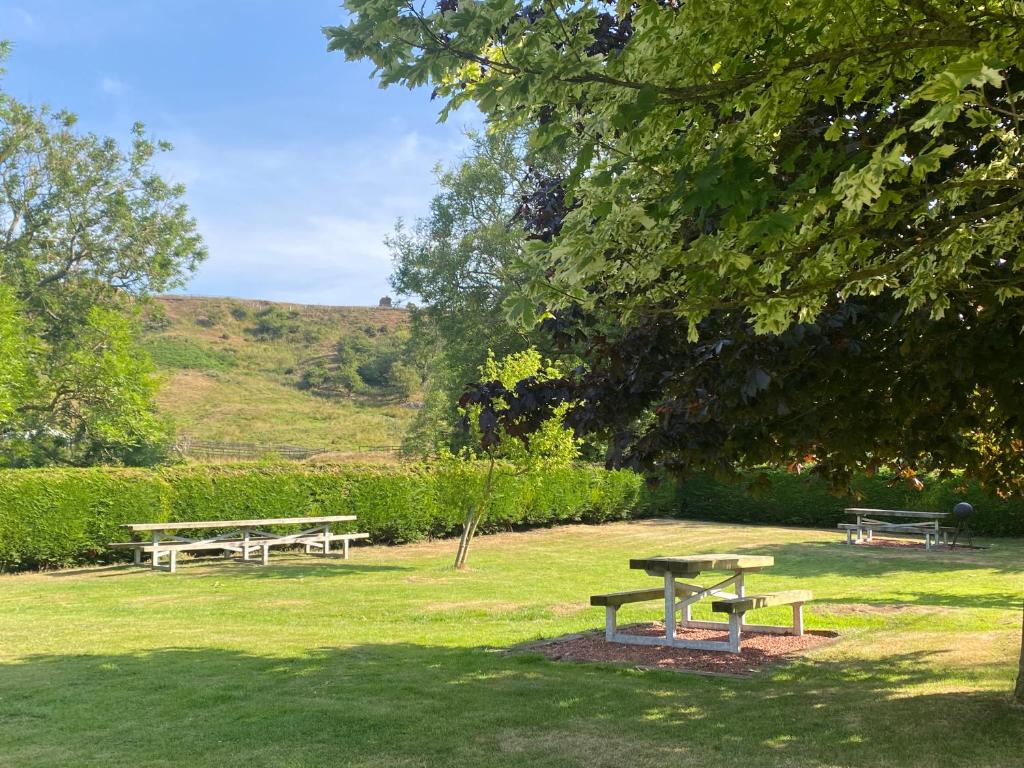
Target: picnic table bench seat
x,y
766,600
615,599
866,531
244,537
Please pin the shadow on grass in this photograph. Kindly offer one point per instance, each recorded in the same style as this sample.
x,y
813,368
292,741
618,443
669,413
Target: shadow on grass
x,y
283,568
819,558
403,704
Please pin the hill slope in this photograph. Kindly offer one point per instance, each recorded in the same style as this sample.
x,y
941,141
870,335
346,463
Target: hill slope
x,y
260,372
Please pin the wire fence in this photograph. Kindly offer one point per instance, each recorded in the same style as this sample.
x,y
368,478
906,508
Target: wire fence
x,y
215,450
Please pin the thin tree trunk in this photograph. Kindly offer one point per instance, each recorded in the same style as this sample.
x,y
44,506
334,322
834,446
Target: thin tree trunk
x,y
467,525
1018,691
473,518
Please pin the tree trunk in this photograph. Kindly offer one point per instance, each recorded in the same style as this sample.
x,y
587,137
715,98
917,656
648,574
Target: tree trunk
x,y
473,518
467,527
1018,691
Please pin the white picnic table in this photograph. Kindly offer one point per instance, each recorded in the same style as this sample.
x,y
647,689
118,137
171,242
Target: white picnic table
x,y
927,524
676,573
236,537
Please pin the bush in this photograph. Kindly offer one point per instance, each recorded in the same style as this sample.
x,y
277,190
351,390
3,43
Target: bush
x,y
804,500
55,517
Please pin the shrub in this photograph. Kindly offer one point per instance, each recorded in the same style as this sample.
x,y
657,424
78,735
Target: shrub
x,y
53,517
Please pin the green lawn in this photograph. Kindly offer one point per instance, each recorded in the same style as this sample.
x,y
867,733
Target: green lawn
x,y
392,659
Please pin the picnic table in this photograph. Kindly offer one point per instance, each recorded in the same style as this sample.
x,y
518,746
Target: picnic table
x,y
734,603
235,537
927,524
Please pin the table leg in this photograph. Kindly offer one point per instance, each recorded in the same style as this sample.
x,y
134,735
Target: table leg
x,y
245,543
154,560
609,622
670,608
735,624
740,593
327,539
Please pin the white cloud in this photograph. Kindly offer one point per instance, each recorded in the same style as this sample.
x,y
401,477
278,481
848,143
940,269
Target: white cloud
x,y
18,18
305,223
112,86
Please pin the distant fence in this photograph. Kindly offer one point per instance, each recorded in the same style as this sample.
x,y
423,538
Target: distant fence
x,y
215,450
260,304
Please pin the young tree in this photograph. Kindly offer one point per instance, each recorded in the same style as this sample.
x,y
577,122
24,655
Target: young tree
x,y
791,231
549,445
86,230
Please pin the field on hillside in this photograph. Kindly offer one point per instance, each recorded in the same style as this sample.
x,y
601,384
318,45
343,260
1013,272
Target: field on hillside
x,y
232,370
393,659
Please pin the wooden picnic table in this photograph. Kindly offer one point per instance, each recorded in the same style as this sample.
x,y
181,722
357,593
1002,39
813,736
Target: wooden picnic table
x,y
241,537
927,524
736,604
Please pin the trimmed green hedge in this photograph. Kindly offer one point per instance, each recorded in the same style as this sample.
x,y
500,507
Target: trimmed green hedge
x,y
804,500
52,517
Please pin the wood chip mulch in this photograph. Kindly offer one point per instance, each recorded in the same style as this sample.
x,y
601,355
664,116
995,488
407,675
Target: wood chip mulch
x,y
910,544
757,650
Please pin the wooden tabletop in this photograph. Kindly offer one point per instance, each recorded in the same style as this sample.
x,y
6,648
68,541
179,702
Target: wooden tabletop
x,y
238,523
691,565
896,513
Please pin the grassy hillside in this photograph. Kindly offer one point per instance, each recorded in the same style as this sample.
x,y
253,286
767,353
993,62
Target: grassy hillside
x,y
255,371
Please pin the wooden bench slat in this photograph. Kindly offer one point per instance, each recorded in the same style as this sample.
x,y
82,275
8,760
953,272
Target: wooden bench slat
x,y
183,524
636,595
753,602
895,512
198,546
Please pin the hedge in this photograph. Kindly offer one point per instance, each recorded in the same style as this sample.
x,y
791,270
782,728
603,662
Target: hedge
x,y
805,500
55,517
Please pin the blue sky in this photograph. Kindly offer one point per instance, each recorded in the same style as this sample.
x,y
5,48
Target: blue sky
x,y
296,163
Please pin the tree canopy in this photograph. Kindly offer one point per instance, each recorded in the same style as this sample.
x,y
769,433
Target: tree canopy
x,y
762,155
87,229
790,231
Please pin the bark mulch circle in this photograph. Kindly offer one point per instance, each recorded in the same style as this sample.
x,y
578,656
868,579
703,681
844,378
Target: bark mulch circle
x,y
757,650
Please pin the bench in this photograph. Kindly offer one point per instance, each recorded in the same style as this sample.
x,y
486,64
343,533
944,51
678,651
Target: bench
x,y
244,538
612,601
865,532
737,607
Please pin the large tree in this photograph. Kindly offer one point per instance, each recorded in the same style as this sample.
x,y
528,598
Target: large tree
x,y
87,229
792,229
459,264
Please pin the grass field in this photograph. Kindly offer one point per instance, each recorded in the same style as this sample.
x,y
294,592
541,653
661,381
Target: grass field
x,y
392,659
222,381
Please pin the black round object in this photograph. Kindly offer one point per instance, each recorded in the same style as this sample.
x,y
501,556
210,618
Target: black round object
x,y
962,510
